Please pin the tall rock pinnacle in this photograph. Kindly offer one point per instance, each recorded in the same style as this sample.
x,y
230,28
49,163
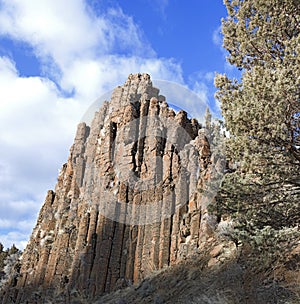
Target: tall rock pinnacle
x,y
127,202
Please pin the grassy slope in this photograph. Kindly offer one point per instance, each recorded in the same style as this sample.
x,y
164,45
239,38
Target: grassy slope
x,y
219,274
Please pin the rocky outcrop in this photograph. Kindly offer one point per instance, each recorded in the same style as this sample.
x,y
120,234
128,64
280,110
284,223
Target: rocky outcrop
x,y
128,201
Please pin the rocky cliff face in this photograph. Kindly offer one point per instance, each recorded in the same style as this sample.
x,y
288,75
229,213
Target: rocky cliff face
x,y
128,201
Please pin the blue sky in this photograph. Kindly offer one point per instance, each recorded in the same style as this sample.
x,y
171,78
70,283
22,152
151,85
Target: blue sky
x,y
57,57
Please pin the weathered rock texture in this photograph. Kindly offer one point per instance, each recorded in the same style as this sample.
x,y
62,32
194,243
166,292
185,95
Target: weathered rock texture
x,y
84,243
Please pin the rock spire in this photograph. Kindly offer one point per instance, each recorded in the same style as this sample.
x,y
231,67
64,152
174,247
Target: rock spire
x,y
127,202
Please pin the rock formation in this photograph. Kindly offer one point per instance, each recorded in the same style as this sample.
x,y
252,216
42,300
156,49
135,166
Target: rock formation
x,y
128,201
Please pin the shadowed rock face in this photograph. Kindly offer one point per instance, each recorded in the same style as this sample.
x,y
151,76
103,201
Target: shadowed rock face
x,y
127,202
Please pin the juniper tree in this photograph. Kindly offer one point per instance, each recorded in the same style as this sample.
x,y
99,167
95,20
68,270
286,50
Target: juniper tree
x,y
262,113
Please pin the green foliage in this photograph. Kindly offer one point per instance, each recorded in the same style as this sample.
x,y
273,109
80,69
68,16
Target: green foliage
x,y
213,132
4,255
262,32
262,114
13,249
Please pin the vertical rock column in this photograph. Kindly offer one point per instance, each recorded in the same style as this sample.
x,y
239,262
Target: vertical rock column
x,y
127,165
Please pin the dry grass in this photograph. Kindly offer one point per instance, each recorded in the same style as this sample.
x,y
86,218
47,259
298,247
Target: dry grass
x,y
233,281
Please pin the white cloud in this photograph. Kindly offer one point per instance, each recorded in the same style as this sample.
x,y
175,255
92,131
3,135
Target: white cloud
x,y
20,239
68,30
111,70
202,90
20,218
160,6
218,37
80,52
193,102
28,106
80,49
55,28
36,130
202,84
